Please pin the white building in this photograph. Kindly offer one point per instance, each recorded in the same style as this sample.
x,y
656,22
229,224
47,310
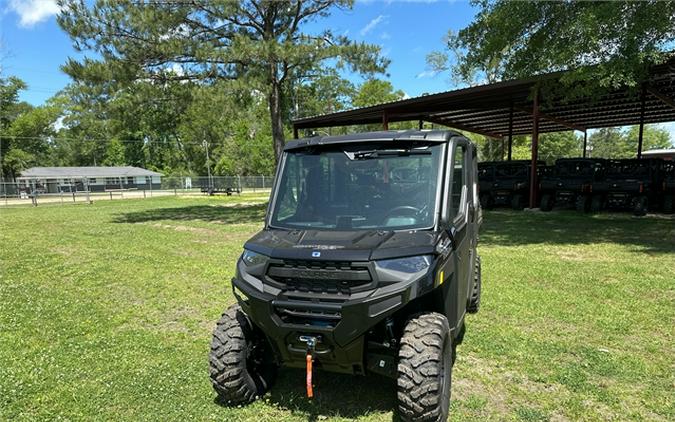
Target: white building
x,y
60,179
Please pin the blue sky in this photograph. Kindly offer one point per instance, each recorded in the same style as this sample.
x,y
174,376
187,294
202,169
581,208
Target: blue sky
x,y
33,46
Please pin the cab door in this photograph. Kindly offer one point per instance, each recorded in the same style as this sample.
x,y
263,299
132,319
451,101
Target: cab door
x,y
460,218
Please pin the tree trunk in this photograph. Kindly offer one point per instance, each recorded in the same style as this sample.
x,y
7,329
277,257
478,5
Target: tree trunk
x,y
277,120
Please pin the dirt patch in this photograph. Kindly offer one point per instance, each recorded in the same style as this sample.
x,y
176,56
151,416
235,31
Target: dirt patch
x,y
181,228
581,255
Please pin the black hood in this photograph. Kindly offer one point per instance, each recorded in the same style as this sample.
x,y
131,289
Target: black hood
x,y
357,245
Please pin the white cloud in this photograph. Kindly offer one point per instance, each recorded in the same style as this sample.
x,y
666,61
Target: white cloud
x,y
373,23
385,36
426,74
177,69
33,11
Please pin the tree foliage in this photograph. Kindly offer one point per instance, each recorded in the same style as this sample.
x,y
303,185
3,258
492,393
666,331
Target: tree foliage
x,y
261,43
604,43
25,130
376,91
617,143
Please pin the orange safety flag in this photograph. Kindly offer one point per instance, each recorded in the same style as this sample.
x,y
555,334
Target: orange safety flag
x,y
310,392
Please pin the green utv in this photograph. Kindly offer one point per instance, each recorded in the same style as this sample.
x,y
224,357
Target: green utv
x,y
367,263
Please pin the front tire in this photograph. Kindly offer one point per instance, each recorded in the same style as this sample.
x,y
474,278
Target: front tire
x,y
474,301
582,203
425,368
546,203
517,202
668,204
487,202
596,203
239,362
640,206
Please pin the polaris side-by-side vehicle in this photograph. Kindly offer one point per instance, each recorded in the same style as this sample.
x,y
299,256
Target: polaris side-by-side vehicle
x,y
629,183
367,263
570,183
505,183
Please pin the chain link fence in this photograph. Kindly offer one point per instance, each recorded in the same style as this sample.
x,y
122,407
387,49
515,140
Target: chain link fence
x,y
85,190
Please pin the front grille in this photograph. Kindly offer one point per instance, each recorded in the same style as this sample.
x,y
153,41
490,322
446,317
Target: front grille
x,y
319,277
294,315
312,291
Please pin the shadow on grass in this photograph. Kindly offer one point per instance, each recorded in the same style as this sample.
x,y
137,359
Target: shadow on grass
x,y
347,396
233,214
653,233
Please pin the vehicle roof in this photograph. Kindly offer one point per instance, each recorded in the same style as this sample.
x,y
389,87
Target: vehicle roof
x,y
590,160
634,160
434,136
511,163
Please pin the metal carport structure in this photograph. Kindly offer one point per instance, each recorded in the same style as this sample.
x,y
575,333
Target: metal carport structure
x,y
516,107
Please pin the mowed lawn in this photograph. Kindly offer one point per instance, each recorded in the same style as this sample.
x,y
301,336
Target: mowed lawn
x,y
106,312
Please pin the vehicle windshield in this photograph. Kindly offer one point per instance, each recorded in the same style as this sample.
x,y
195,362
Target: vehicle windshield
x,y
369,187
627,169
576,168
512,170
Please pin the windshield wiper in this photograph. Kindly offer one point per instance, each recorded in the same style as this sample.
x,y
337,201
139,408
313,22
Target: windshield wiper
x,y
379,153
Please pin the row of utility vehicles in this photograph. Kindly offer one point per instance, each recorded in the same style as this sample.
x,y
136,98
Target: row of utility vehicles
x,y
588,184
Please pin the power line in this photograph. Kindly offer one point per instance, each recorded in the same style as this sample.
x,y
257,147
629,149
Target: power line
x,y
65,138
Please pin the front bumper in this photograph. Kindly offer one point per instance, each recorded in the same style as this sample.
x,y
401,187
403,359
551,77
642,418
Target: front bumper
x,y
342,336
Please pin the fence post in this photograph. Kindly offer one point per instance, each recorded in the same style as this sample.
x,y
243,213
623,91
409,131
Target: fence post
x,y
86,188
143,193
34,194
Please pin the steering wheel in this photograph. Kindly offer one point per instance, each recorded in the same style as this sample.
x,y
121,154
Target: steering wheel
x,y
403,209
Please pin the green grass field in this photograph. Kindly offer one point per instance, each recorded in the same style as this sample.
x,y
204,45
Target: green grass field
x,y
106,312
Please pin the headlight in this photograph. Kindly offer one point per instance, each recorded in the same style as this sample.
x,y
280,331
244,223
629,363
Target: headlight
x,y
410,265
253,258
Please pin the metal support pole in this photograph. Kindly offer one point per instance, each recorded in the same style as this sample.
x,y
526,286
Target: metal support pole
x,y
585,143
2,174
385,121
295,132
510,132
420,125
535,150
642,124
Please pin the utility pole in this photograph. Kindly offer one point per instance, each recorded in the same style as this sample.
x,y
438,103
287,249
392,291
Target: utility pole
x,y
2,174
208,163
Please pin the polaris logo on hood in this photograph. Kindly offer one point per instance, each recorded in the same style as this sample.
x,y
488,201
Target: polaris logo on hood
x,y
316,254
